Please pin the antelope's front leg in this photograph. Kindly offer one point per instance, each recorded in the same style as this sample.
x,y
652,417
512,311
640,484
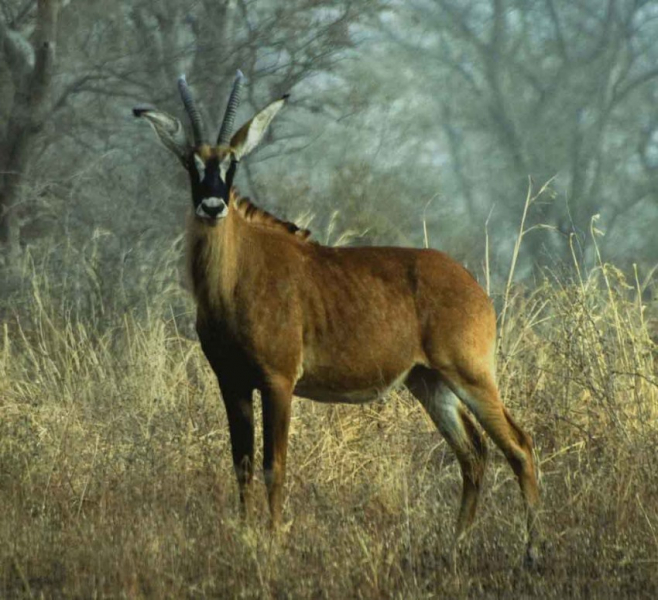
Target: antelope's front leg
x,y
277,399
240,412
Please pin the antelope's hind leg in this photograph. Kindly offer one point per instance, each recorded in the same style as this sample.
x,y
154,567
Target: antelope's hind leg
x,y
457,427
238,401
480,393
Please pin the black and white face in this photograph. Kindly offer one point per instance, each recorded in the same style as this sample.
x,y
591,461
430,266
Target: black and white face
x,y
211,175
211,168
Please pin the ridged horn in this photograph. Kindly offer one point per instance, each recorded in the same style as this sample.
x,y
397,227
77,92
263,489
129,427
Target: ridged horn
x,y
226,129
193,113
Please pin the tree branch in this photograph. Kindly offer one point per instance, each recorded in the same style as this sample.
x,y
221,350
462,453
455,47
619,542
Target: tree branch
x,y
19,54
557,27
23,13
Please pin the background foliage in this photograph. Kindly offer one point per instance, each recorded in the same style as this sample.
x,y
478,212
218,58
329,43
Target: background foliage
x,y
400,111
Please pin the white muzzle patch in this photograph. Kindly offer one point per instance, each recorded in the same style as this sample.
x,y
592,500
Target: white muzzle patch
x,y
212,208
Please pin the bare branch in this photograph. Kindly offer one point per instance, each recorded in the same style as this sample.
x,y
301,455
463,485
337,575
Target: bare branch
x,y
22,13
18,51
557,27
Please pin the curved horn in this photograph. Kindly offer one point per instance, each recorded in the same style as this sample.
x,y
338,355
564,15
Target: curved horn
x,y
231,108
190,107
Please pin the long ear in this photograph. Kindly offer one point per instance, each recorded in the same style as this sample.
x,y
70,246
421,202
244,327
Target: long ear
x,y
252,132
169,130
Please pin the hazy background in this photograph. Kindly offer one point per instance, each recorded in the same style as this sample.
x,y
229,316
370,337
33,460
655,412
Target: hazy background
x,y
408,120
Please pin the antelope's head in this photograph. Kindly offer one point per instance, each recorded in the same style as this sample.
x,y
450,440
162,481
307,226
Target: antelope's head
x,y
211,167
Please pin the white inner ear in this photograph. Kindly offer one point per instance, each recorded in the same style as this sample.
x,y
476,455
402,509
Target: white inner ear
x,y
200,166
224,167
257,127
170,132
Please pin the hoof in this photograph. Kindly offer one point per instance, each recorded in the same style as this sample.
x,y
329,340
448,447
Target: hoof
x,y
532,558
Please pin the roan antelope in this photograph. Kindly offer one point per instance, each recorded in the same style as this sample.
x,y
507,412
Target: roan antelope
x,y
279,313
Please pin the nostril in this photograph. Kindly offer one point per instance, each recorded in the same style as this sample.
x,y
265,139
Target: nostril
x,y
212,211
212,208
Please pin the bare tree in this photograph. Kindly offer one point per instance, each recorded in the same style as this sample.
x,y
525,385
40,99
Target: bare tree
x,y
542,89
30,63
111,55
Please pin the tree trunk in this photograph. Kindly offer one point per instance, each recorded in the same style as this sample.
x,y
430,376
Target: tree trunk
x,y
27,117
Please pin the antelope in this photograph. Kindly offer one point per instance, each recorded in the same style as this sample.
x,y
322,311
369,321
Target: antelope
x,y
279,313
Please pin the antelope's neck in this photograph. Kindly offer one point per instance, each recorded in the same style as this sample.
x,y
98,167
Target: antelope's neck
x,y
213,261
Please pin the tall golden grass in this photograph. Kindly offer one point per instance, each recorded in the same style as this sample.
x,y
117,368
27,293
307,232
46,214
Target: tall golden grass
x,y
116,479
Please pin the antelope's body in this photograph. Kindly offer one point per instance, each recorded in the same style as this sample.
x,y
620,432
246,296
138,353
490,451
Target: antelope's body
x,y
284,315
339,324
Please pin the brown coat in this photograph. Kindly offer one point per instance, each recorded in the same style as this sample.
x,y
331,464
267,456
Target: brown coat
x,y
279,313
343,324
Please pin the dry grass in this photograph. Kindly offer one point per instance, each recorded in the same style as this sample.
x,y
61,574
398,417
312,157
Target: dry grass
x,y
116,479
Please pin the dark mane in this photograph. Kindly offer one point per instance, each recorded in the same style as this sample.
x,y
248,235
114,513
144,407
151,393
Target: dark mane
x,y
252,213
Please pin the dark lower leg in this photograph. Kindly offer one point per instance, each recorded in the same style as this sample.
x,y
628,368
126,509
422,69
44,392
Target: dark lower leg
x,y
276,420
240,413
